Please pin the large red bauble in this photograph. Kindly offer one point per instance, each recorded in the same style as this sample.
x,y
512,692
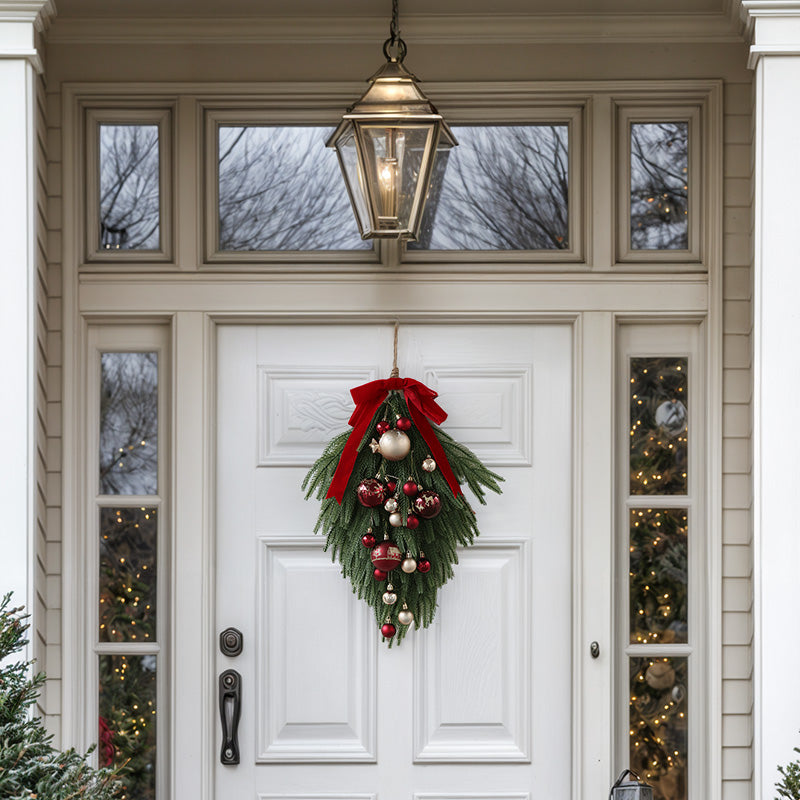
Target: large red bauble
x,y
427,504
412,522
371,492
388,630
368,540
386,556
410,488
382,427
423,565
403,424
379,575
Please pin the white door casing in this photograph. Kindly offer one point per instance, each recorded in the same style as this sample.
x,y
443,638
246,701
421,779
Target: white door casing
x,y
481,702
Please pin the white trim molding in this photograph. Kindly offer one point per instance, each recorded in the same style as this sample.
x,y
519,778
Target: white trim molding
x,y
772,27
21,22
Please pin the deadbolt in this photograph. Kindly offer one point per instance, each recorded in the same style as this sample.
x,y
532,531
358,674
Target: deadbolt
x,y
231,641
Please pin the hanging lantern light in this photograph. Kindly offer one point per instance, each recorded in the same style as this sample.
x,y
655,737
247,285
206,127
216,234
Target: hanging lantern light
x,y
630,789
387,142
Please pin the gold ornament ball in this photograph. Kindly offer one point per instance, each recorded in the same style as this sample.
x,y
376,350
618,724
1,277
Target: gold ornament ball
x,y
390,505
394,445
660,675
396,519
390,598
429,465
409,565
405,617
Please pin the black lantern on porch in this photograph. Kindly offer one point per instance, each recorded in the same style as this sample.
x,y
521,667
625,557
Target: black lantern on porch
x,y
632,789
387,143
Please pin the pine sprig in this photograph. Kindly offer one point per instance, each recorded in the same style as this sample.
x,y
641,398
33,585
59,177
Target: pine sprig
x,y
29,764
344,525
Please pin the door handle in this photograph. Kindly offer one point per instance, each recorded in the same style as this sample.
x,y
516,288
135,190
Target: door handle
x,y
230,709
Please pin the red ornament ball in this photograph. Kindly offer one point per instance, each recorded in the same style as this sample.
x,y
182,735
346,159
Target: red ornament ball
x,y
386,556
388,630
371,492
427,504
382,427
412,522
368,540
410,488
391,486
379,575
423,565
403,423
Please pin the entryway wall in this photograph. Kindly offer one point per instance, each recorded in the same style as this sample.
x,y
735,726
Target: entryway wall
x,y
102,53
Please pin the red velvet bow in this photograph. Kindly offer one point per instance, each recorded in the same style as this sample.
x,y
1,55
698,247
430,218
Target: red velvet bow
x,y
421,406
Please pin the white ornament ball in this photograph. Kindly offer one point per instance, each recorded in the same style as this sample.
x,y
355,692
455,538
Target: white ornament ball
x,y
390,598
390,505
429,465
394,445
405,617
409,565
671,417
396,519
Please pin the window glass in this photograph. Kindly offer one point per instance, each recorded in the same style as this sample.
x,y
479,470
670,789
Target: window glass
x,y
658,425
660,186
129,187
658,576
659,724
129,423
281,189
505,187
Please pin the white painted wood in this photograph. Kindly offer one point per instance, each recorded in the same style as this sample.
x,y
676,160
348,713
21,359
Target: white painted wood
x,y
776,551
18,290
490,681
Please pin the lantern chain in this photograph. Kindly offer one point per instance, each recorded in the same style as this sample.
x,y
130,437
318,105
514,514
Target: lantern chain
x,y
394,27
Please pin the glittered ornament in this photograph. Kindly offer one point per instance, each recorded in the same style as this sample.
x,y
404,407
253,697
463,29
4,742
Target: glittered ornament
x,y
390,505
388,630
395,519
382,427
412,522
391,486
429,465
403,424
427,504
405,617
371,492
368,539
386,556
410,488
389,596
423,565
394,445
379,574
409,565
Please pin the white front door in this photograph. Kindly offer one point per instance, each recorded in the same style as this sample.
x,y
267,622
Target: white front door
x,y
480,703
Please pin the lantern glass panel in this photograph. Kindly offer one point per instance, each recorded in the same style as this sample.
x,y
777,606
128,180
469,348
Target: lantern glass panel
x,y
348,158
396,156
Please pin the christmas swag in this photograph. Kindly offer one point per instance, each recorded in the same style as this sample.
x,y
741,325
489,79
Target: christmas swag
x,y
392,506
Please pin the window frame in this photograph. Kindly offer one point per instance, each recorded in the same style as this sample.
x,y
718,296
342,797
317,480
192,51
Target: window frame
x,y
627,115
129,338
663,338
131,114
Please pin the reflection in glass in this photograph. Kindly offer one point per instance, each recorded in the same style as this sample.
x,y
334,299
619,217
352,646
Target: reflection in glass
x,y
129,423
659,186
658,576
127,724
128,541
129,187
659,724
505,187
659,425
280,188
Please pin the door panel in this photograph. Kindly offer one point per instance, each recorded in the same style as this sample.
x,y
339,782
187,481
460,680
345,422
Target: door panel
x,y
480,702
